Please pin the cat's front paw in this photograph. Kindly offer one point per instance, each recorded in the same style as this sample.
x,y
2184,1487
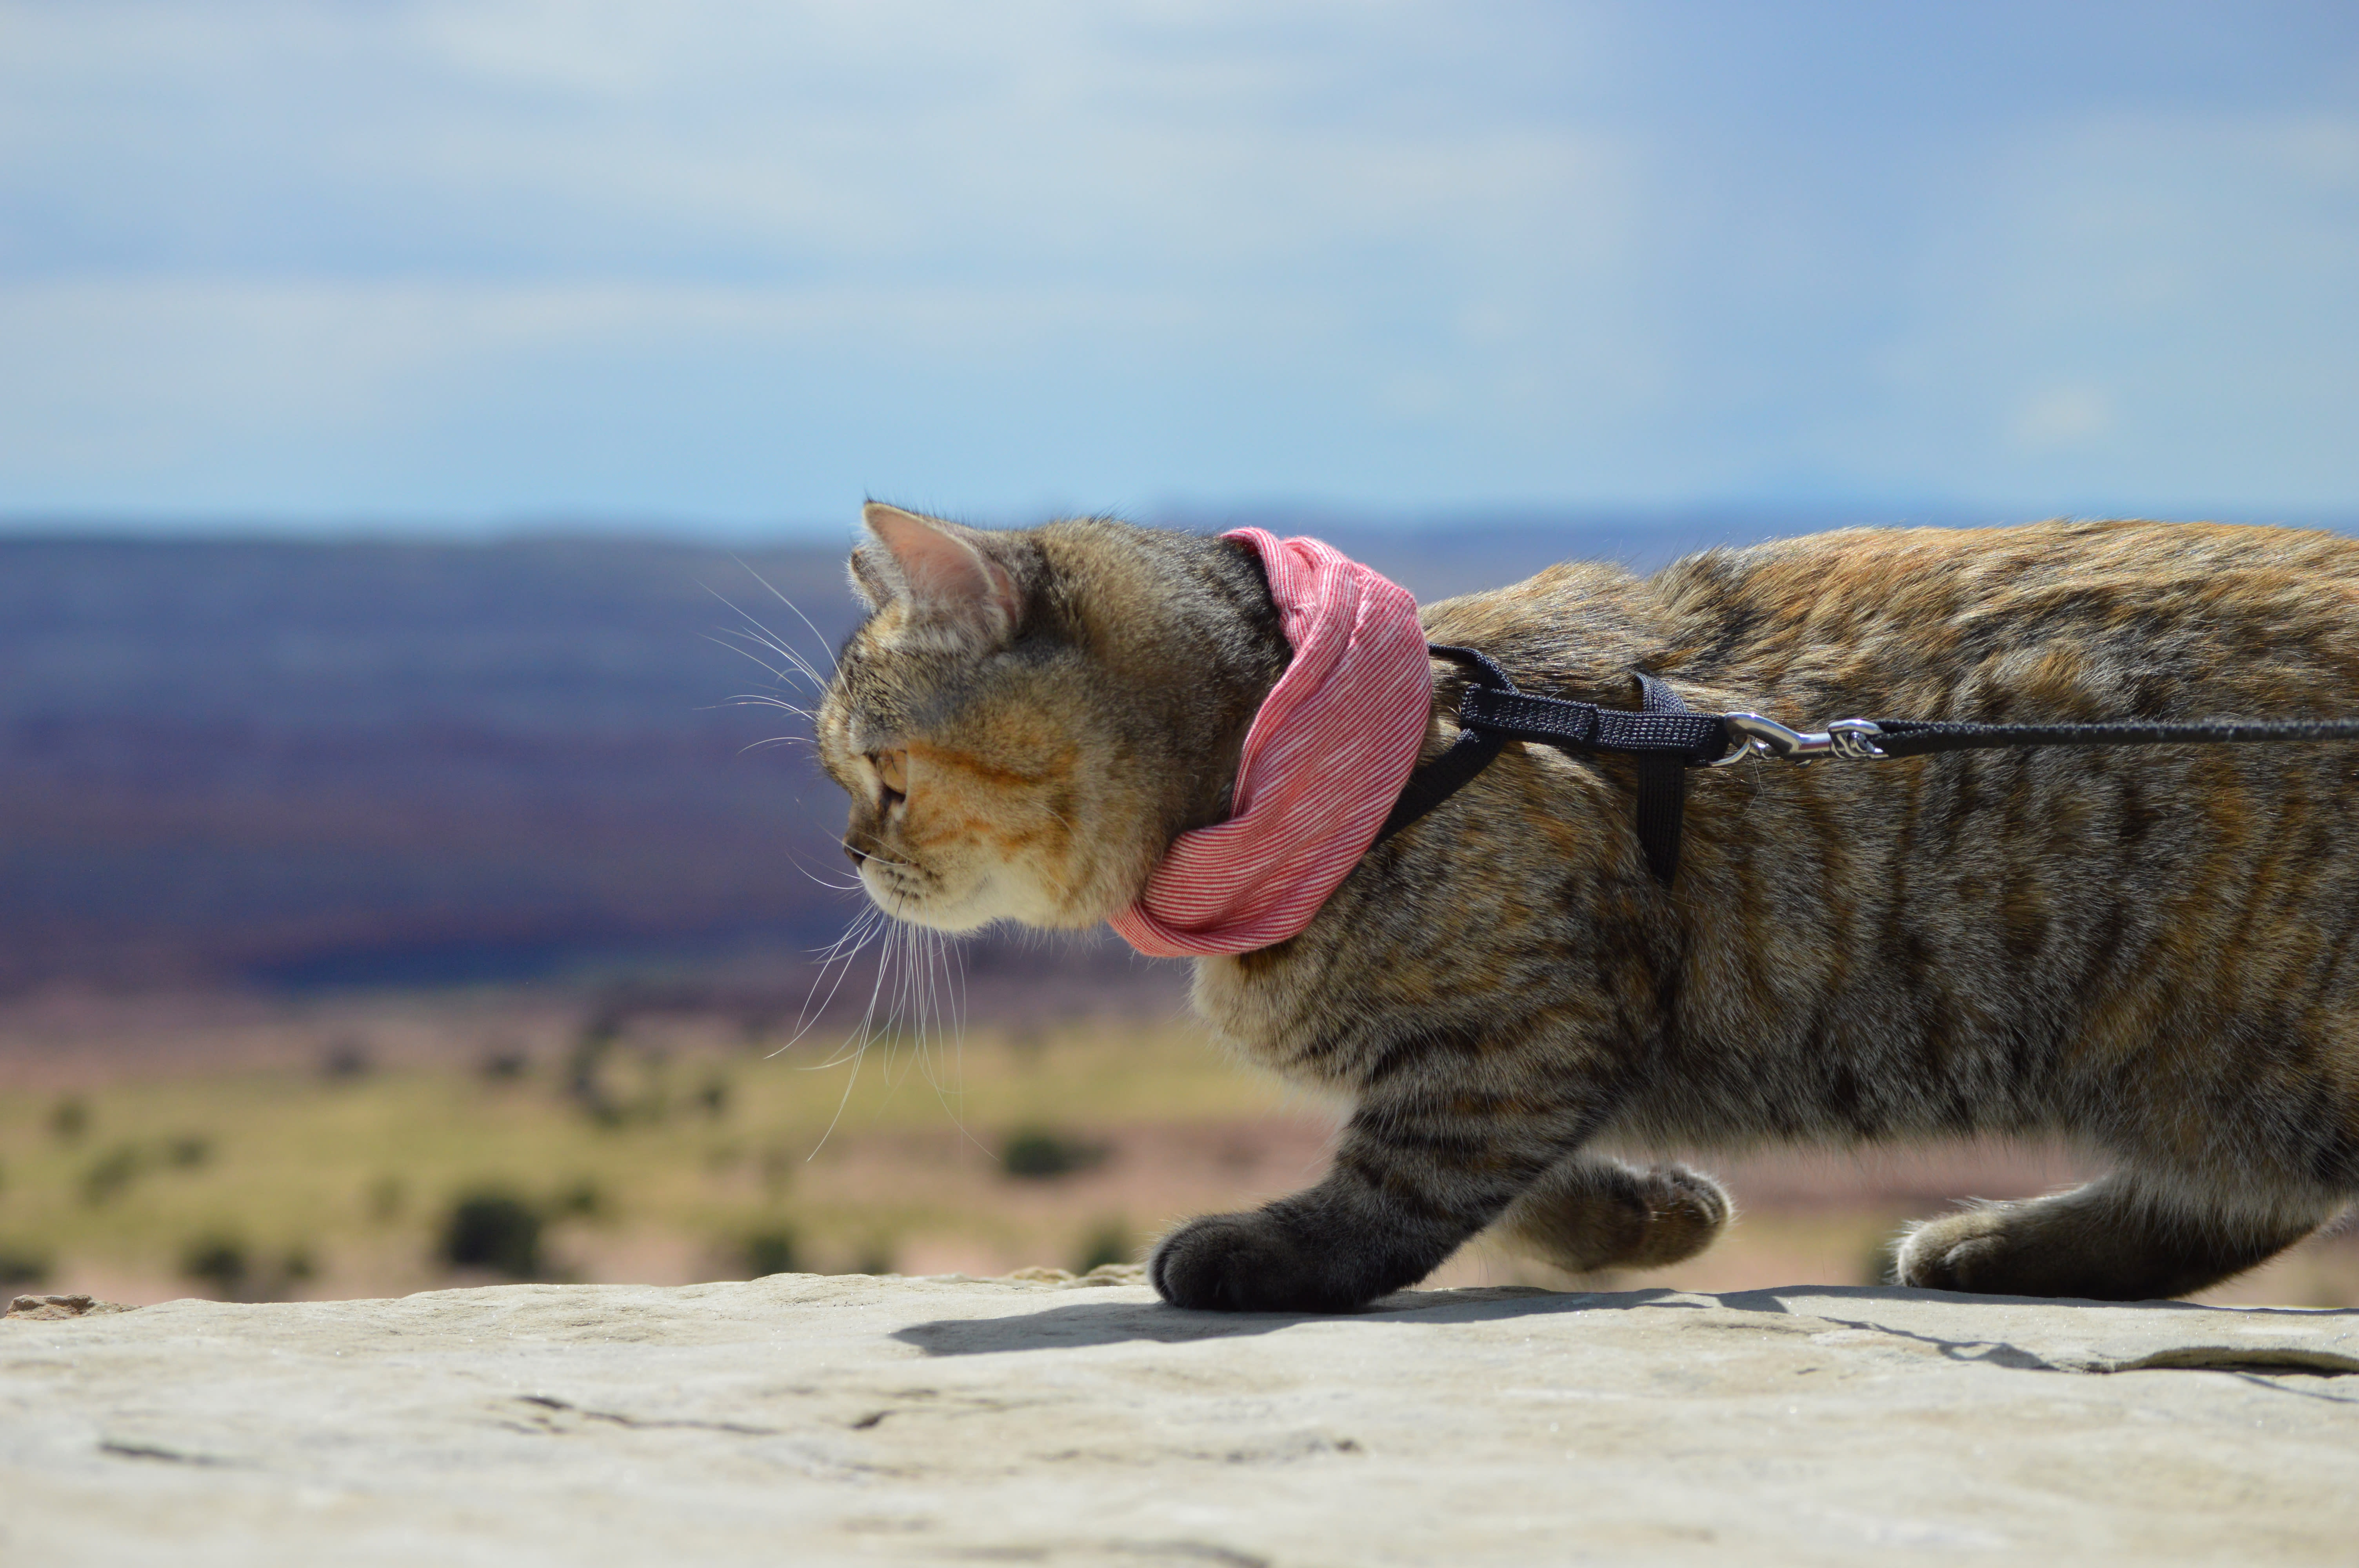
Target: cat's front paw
x,y
1244,1262
1590,1214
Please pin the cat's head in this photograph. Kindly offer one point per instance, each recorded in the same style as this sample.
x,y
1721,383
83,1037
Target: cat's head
x,y
1027,719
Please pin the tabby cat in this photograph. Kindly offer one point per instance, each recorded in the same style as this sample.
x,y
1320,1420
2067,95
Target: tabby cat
x,y
2148,951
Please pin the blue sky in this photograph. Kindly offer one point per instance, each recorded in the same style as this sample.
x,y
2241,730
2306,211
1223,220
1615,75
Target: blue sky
x,y
735,266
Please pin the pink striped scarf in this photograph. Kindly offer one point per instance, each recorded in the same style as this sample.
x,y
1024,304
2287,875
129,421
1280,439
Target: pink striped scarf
x,y
1322,764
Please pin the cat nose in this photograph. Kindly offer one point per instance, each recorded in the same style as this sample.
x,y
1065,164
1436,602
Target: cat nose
x,y
858,855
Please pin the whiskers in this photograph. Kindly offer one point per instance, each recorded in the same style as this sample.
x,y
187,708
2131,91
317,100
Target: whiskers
x,y
917,994
917,1000
798,675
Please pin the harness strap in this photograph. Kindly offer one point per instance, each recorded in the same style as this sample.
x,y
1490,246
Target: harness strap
x,y
1925,737
1662,789
1665,729
1432,782
1668,738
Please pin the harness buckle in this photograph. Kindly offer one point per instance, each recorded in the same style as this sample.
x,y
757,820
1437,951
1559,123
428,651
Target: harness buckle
x,y
1759,736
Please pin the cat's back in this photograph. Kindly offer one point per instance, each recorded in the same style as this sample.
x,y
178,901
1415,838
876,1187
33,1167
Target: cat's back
x,y
2094,620
2167,609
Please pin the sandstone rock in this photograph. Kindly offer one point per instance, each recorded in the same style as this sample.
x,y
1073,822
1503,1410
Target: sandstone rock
x,y
817,1419
60,1306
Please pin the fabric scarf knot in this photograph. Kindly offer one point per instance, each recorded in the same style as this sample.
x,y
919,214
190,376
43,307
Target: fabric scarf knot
x,y
1329,750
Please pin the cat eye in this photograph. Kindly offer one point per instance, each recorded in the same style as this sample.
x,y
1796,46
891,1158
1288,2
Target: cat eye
x,y
893,767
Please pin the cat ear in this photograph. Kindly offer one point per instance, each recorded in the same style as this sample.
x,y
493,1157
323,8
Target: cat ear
x,y
952,582
873,579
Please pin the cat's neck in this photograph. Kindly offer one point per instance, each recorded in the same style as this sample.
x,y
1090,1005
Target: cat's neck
x,y
1185,630
1258,654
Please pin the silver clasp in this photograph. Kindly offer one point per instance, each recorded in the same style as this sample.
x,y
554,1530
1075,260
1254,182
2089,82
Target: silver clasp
x,y
1759,736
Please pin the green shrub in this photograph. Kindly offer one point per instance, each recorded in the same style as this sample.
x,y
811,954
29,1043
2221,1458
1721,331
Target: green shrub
x,y
219,1262
345,1061
70,1117
1109,1243
106,1177
1038,1154
617,1087
111,1172
23,1265
771,1252
583,1200
222,1263
505,1065
493,1229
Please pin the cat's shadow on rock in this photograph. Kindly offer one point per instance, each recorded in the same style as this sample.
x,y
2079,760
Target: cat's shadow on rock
x,y
1074,1324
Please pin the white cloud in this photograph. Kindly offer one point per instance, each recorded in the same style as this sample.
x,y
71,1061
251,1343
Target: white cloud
x,y
743,257
2063,416
2152,309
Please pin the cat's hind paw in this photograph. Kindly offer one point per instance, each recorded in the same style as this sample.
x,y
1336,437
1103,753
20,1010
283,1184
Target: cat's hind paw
x,y
1965,1251
2110,1241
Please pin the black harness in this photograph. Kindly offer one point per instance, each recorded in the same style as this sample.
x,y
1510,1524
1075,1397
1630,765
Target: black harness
x,y
1667,738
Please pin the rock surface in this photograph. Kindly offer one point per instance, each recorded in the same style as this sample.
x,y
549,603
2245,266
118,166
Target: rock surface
x,y
60,1306
844,1419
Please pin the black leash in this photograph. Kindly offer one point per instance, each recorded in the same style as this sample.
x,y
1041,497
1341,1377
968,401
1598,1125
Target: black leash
x,y
1668,739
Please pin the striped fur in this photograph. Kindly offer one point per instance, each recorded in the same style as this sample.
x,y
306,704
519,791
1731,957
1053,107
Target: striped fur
x,y
2149,951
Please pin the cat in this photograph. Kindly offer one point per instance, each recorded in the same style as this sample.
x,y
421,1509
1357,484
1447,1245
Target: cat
x,y
2147,951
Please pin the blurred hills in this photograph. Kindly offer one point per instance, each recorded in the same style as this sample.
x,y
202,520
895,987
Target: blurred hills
x,y
297,762
303,764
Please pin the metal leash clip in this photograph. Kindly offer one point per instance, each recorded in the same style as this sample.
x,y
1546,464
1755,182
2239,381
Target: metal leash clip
x,y
1759,736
